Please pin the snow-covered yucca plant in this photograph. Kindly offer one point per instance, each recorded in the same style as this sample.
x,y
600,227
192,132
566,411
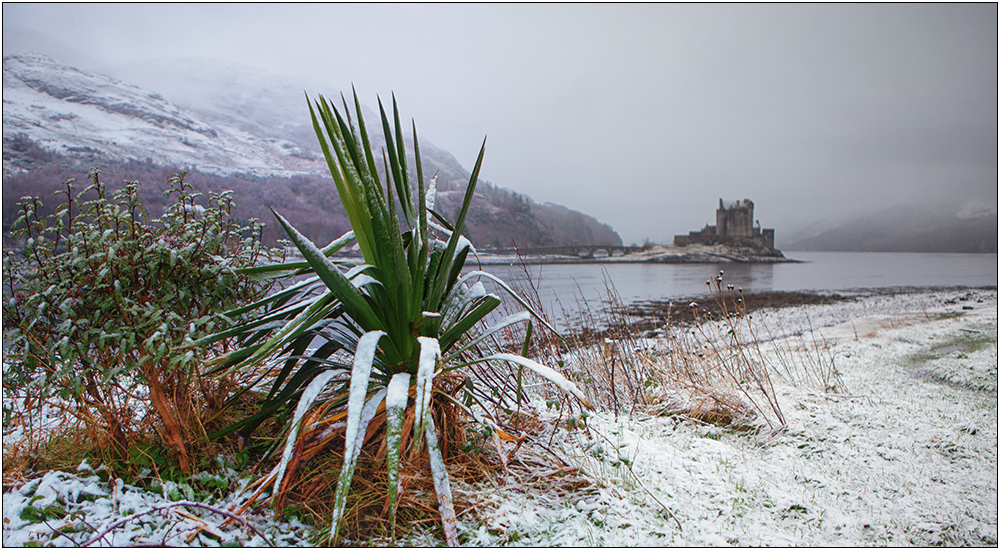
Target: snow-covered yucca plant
x,y
404,315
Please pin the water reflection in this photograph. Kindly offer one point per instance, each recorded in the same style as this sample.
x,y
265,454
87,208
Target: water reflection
x,y
750,277
568,282
575,287
566,290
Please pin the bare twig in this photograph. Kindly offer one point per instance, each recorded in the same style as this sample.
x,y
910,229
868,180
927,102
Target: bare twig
x,y
547,449
127,519
58,532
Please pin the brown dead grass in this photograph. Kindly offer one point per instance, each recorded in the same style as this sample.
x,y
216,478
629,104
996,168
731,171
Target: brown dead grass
x,y
709,371
473,456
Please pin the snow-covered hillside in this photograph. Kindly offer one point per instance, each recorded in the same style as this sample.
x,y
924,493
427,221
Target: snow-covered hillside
x,y
268,104
232,120
72,111
220,118
248,98
958,225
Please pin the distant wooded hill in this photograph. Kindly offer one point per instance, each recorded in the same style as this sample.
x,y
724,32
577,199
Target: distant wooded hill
x,y
499,217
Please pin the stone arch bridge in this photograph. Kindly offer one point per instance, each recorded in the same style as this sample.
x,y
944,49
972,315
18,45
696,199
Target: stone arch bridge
x,y
584,251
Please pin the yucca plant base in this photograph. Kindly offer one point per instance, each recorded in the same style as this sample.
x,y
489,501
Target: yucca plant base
x,y
357,356
311,477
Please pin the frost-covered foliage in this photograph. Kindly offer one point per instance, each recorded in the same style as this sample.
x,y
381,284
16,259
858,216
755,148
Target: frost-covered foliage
x,y
101,307
88,509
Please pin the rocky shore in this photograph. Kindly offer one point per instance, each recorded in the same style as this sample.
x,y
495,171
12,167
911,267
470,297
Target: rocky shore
x,y
646,317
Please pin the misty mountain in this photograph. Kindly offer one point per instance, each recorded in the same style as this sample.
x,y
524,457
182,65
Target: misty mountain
x,y
943,227
253,100
71,111
233,128
263,103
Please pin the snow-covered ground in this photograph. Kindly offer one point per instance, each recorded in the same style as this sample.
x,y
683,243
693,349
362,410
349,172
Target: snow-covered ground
x,y
908,456
79,509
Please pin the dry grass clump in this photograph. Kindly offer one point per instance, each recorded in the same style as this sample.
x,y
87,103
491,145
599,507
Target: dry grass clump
x,y
52,442
474,455
679,372
54,435
712,370
805,359
716,368
691,379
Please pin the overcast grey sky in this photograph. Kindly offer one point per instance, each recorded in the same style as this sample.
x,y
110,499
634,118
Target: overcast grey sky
x,y
642,115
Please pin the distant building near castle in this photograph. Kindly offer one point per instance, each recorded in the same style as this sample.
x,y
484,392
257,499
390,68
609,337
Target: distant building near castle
x,y
734,226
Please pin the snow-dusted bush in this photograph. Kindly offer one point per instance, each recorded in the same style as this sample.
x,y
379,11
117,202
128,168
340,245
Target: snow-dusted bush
x,y
101,307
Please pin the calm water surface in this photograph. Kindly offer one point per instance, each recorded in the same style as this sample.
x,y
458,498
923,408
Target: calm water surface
x,y
567,286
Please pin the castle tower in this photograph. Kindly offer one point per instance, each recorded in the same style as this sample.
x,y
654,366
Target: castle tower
x,y
735,220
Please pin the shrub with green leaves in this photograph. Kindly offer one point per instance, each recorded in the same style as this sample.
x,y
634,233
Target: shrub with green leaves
x,y
380,333
101,308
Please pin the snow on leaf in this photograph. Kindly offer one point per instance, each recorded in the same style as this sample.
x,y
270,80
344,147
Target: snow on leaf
x,y
362,280
441,484
438,228
364,356
430,350
357,270
398,390
395,408
309,395
359,278
338,243
545,372
458,298
462,241
371,407
432,189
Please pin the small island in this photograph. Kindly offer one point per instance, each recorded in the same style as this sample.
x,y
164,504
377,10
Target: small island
x,y
734,238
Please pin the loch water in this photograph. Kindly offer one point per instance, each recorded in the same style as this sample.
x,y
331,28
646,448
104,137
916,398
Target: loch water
x,y
565,289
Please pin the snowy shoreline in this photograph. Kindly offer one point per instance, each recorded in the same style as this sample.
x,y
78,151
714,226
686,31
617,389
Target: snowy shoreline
x,y
907,456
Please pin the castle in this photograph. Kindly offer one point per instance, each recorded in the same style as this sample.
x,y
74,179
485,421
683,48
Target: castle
x,y
734,225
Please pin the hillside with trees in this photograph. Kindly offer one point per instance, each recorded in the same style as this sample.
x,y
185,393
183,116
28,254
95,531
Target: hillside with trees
x,y
498,217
